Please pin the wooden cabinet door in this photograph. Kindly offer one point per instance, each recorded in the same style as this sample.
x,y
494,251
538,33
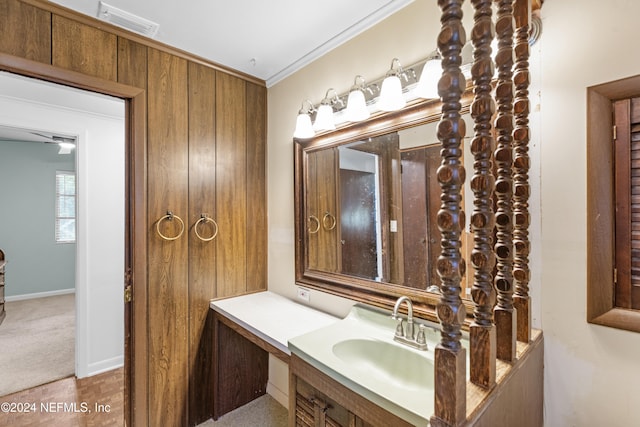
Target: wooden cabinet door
x,y
168,313
316,409
420,194
256,187
358,226
231,185
318,400
322,211
202,250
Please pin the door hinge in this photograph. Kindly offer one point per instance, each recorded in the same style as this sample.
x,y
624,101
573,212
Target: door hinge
x,y
615,276
128,292
615,132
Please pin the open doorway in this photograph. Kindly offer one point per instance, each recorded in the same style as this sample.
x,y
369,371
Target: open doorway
x,y
97,124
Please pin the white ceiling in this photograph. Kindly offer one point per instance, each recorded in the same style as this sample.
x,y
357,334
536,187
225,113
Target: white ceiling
x,y
21,90
266,39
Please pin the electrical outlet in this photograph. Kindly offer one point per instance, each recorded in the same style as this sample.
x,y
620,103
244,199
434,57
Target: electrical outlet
x,y
303,294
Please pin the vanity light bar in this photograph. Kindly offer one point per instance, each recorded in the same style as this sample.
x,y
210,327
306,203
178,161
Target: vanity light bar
x,y
412,85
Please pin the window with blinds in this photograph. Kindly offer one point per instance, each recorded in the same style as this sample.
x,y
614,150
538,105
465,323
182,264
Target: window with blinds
x,y
627,202
65,227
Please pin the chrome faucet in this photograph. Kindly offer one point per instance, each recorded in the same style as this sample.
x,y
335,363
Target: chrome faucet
x,y
407,335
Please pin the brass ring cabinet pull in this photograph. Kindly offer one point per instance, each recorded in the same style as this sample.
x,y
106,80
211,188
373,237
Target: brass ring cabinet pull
x,y
317,221
332,221
204,218
169,217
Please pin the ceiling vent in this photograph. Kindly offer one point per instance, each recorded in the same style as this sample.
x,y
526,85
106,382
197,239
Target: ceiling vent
x,y
127,20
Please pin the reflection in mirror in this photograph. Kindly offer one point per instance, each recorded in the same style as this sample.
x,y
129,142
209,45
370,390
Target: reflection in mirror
x,y
371,209
360,213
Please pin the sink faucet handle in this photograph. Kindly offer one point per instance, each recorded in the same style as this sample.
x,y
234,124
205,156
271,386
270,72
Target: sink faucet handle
x,y
421,339
399,327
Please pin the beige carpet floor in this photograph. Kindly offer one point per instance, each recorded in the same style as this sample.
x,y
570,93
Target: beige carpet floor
x,y
37,342
265,411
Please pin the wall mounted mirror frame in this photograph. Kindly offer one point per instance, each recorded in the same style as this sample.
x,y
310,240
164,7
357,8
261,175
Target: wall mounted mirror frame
x,y
375,292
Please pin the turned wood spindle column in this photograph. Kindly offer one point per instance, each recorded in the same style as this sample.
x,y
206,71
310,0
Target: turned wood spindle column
x,y
482,331
450,356
522,218
504,313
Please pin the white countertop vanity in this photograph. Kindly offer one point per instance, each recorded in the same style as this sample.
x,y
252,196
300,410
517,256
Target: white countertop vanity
x,y
272,317
351,367
347,371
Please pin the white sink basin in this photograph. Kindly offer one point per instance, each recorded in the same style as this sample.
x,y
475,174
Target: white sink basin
x,y
391,362
360,353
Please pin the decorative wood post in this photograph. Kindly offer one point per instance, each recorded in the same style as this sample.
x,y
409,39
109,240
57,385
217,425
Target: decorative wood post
x,y
482,331
522,218
504,313
450,356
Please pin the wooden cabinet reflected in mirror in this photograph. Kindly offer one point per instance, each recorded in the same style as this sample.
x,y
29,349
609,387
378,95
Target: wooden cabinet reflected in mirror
x,y
321,208
366,206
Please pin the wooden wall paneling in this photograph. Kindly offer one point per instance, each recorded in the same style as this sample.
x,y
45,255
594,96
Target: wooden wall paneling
x,y
96,51
26,31
231,185
82,48
168,260
256,187
202,254
132,63
52,7
132,70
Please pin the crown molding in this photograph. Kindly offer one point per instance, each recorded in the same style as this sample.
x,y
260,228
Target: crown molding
x,y
364,24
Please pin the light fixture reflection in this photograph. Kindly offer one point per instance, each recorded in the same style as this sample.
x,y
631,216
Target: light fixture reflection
x,y
356,103
66,147
304,129
391,98
428,84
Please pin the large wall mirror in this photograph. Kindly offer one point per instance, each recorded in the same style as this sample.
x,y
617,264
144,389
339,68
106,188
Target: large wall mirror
x,y
366,201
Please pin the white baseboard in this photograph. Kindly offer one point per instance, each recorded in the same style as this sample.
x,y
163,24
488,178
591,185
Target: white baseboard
x,y
104,366
40,295
278,394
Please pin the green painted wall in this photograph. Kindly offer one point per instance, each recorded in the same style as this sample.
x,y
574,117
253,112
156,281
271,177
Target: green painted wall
x,y
35,262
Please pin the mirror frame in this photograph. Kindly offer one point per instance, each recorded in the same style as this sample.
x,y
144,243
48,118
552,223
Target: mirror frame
x,y
380,294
